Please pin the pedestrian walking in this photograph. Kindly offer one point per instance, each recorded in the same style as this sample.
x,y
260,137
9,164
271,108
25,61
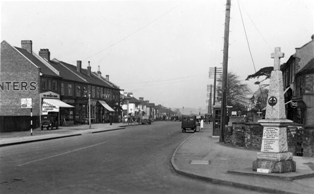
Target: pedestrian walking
x,y
202,123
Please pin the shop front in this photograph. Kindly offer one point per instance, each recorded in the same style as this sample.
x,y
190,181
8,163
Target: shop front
x,y
104,112
52,105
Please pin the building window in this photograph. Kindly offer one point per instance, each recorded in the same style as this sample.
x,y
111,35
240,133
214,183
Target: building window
x,y
93,91
62,89
70,90
98,92
49,84
54,85
85,92
44,84
78,91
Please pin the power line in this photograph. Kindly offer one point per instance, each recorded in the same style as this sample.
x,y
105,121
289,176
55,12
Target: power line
x,y
247,40
154,20
256,28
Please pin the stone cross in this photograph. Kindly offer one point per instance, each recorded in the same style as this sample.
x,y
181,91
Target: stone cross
x,y
276,56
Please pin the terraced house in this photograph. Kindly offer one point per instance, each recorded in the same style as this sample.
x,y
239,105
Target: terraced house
x,y
53,86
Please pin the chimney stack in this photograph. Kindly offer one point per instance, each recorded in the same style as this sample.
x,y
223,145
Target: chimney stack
x,y
141,98
107,77
89,69
27,45
98,72
44,53
78,66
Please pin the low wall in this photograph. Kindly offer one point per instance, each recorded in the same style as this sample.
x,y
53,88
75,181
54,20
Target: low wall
x,y
249,135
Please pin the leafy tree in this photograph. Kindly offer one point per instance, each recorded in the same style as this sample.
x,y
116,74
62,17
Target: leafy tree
x,y
236,92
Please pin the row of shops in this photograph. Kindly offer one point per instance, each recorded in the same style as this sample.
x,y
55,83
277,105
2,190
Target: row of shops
x,y
33,86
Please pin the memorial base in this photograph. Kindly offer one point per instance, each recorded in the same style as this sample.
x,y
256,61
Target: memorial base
x,y
273,166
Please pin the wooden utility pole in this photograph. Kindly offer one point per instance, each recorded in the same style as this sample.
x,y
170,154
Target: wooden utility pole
x,y
214,101
225,71
210,100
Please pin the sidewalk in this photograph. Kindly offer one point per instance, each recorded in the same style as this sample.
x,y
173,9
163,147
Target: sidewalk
x,y
12,138
202,156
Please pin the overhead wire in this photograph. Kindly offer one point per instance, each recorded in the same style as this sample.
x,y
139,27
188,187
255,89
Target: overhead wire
x,y
131,34
261,91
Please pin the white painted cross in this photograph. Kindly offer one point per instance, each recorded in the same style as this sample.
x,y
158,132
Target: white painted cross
x,y
276,56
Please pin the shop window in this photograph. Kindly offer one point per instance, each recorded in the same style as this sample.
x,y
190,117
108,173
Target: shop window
x,y
70,90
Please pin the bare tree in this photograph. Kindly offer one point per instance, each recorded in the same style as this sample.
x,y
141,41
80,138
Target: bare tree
x,y
237,92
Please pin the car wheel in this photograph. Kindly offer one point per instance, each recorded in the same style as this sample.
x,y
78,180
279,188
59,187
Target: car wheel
x,y
183,131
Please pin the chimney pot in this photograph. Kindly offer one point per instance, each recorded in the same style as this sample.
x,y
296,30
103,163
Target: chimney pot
x,y
44,53
107,77
89,69
27,45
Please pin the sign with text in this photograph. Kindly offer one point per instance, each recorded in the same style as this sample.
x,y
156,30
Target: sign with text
x,y
26,103
270,142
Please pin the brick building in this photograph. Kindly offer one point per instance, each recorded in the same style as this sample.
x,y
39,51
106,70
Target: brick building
x,y
298,78
51,83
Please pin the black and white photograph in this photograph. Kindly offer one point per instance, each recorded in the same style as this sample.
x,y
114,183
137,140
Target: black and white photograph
x,y
157,97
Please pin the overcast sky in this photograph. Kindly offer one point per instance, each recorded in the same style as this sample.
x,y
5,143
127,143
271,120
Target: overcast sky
x,y
160,50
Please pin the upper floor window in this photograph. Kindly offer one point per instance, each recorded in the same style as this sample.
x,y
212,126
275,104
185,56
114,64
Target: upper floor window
x,y
44,84
70,90
62,88
93,91
78,91
54,85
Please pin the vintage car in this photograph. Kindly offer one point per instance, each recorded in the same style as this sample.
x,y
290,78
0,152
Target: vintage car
x,y
188,122
146,120
49,121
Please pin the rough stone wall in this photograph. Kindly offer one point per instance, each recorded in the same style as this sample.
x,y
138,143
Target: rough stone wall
x,y
250,135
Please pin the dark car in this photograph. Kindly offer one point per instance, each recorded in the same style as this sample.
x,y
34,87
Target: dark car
x,y
146,120
188,122
49,121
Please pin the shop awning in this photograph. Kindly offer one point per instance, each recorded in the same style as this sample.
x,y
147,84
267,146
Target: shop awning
x,y
57,103
105,105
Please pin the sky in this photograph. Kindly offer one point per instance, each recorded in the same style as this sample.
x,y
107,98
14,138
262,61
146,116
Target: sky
x,y
161,50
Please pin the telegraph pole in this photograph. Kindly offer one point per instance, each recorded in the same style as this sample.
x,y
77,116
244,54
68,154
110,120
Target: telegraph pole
x,y
225,71
210,100
215,85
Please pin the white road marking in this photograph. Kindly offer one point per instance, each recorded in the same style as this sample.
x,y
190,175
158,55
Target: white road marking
x,y
60,154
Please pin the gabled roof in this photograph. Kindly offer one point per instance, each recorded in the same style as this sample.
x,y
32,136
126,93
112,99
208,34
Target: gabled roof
x,y
43,68
93,79
308,68
65,72
133,100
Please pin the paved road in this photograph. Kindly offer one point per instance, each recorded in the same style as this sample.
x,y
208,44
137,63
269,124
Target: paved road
x,y
134,160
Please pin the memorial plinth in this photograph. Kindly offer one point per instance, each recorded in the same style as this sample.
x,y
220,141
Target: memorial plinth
x,y
274,156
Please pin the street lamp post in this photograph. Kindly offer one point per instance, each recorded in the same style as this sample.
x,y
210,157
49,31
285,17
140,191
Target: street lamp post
x,y
89,112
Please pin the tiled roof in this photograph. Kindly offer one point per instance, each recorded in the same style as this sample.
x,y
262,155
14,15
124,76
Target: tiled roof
x,y
66,73
93,79
308,68
43,68
133,100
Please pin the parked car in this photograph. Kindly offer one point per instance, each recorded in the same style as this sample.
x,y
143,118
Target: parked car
x,y
146,120
188,122
49,121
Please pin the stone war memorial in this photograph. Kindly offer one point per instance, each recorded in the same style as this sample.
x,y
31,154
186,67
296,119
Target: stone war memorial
x,y
274,156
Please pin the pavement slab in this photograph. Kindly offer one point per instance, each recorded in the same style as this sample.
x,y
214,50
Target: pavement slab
x,y
201,156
